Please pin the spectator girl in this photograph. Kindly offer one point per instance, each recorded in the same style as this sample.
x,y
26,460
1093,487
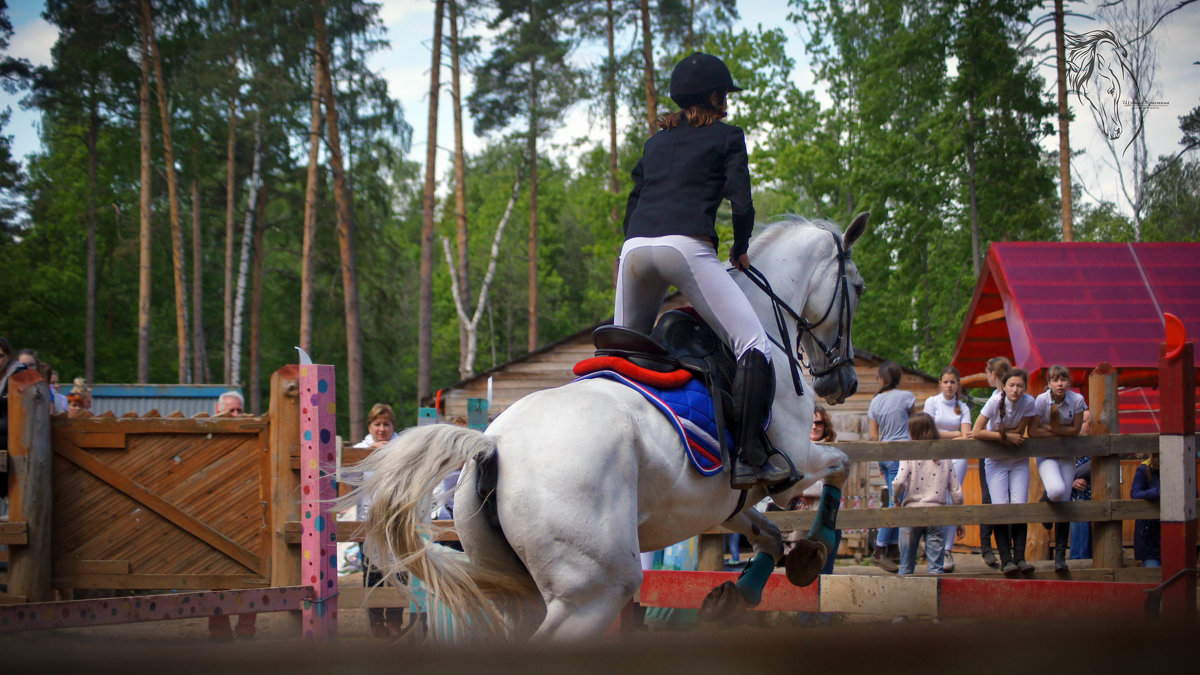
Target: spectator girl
x,y
922,483
952,416
888,416
1005,418
1058,411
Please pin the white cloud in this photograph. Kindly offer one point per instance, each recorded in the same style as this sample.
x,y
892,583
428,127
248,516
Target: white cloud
x,y
33,41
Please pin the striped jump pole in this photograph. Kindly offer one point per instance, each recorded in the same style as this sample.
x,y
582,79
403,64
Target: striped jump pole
x,y
1177,468
318,465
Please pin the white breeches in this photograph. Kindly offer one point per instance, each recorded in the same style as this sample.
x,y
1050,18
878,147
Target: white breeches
x,y
651,265
1008,479
1058,474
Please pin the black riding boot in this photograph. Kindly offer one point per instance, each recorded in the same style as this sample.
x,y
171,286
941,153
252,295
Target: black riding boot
x,y
753,393
1061,532
1020,533
1003,535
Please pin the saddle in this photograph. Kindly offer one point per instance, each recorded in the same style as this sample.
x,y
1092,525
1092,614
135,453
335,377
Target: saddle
x,y
680,341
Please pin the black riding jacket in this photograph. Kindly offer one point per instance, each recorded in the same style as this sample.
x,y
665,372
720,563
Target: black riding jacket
x,y
679,182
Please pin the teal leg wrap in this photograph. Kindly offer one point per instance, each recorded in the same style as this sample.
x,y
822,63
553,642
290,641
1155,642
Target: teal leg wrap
x,y
753,579
826,522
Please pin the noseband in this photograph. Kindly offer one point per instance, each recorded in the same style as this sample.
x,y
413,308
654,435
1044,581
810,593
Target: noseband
x,y
834,354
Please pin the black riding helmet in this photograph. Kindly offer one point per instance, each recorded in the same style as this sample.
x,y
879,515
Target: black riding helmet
x,y
697,75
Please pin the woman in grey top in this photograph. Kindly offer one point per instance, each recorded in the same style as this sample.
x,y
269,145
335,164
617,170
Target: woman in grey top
x,y
888,416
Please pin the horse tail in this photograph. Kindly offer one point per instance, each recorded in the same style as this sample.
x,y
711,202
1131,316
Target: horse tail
x,y
399,480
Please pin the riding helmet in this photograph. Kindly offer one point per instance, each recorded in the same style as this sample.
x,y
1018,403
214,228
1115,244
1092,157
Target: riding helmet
x,y
695,76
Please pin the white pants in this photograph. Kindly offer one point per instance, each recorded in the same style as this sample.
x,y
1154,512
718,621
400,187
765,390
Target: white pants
x,y
959,466
1058,475
1008,479
651,265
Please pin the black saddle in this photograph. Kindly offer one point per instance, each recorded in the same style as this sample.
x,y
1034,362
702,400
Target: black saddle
x,y
679,340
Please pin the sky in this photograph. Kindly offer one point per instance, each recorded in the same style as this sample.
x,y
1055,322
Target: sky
x,y
406,64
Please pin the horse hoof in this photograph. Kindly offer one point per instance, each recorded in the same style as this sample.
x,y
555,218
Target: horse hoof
x,y
722,602
804,563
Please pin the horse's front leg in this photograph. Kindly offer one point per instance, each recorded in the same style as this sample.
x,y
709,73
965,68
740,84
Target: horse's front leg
x,y
806,560
767,541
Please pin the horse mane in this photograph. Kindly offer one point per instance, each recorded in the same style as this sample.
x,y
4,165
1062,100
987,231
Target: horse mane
x,y
1082,53
788,222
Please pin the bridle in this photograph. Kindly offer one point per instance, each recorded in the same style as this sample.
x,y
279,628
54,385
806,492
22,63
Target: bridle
x,y
835,353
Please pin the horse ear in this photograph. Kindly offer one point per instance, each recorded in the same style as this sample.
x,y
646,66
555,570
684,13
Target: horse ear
x,y
856,229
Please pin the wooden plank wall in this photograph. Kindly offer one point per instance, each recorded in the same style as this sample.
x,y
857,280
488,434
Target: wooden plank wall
x,y
160,503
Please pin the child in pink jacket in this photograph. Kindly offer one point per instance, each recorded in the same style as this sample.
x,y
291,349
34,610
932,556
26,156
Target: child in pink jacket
x,y
924,482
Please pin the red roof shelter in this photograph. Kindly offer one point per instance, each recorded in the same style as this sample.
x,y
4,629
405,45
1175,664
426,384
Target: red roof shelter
x,y
1079,305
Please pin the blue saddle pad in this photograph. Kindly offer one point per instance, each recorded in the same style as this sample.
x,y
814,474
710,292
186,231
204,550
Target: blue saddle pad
x,y
690,410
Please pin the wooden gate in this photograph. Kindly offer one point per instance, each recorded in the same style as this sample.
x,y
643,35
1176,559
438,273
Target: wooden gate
x,y
161,503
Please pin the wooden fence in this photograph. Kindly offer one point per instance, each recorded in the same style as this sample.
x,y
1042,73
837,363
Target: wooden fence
x,y
151,502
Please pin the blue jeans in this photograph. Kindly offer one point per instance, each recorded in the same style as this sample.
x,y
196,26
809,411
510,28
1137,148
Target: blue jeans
x,y
910,539
888,535
1081,541
1151,563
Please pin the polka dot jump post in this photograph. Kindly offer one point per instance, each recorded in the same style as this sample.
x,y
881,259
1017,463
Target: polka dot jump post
x,y
318,464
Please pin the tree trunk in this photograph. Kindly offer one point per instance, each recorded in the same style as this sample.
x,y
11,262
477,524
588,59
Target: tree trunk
x,y
463,270
230,211
164,113
147,178
89,347
1064,115
345,222
308,263
533,205
976,255
239,300
648,61
425,293
691,34
254,391
611,85
470,324
199,350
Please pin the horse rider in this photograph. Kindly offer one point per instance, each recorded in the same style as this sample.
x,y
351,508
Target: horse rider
x,y
693,163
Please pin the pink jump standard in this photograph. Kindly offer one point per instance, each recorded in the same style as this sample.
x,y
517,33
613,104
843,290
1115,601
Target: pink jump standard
x,y
318,462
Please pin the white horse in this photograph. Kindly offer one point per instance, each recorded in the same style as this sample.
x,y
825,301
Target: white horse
x,y
582,478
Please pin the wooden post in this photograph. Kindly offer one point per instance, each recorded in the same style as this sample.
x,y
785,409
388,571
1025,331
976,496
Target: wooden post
x,y
1177,467
29,485
1107,551
284,448
318,465
711,553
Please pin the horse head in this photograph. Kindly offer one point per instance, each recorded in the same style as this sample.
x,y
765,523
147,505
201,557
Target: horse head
x,y
833,297
1097,65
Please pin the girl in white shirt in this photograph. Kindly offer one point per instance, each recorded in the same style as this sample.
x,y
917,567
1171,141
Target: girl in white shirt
x,y
1005,418
1058,411
952,417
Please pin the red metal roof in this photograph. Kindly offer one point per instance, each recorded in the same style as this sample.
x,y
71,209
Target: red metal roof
x,y
1081,304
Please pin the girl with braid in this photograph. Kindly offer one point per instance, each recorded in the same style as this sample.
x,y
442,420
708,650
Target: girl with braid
x,y
1005,418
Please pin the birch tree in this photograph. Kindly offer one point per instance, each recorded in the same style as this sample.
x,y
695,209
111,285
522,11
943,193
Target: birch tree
x,y
239,299
469,324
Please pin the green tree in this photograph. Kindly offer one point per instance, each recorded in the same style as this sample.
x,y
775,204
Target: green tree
x,y
527,77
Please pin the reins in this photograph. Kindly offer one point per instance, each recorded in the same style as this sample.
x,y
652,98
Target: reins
x,y
833,356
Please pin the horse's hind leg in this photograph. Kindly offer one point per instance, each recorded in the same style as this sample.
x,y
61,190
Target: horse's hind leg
x,y
583,603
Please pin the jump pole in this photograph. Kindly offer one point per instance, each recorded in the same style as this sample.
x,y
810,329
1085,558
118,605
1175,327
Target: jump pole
x,y
1177,468
318,465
